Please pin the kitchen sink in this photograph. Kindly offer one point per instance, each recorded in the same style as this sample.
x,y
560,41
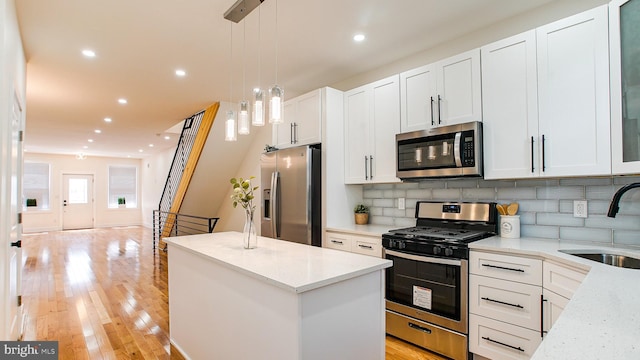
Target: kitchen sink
x,y
606,258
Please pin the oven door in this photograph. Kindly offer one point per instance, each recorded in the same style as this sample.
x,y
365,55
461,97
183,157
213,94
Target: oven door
x,y
428,288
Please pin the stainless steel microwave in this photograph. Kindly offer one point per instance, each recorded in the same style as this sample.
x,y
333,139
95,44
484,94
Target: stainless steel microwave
x,y
443,152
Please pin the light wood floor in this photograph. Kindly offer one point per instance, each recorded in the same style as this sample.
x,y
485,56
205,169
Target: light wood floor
x,y
102,294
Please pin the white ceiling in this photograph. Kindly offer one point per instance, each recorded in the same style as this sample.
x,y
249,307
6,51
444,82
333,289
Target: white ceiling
x,y
139,44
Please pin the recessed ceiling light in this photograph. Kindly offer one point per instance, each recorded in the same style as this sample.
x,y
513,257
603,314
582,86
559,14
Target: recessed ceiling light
x,y
88,53
85,147
122,101
181,72
358,37
140,150
167,137
90,140
107,120
150,145
97,131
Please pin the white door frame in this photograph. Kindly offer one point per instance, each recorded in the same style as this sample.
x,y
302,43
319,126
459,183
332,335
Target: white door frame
x,y
62,195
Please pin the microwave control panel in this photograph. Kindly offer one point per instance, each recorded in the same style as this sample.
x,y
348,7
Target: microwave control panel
x,y
468,150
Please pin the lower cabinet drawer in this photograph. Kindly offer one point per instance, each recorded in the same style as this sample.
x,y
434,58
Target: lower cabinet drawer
x,y
512,302
497,340
338,242
364,247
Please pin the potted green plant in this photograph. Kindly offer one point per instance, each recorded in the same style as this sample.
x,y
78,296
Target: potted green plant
x,y
122,202
361,214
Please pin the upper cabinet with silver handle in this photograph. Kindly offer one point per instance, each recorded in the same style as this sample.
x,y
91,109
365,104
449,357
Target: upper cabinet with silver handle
x,y
372,120
302,121
443,93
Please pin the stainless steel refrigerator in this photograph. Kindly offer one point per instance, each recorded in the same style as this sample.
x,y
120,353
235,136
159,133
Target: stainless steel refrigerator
x,y
291,203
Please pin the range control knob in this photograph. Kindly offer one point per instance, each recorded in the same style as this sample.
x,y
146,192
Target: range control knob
x,y
392,243
448,251
437,250
401,245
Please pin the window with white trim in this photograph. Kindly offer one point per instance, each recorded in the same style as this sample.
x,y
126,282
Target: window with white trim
x,y
35,186
123,186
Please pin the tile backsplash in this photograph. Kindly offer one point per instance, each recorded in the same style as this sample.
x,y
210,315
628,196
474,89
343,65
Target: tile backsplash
x,y
546,205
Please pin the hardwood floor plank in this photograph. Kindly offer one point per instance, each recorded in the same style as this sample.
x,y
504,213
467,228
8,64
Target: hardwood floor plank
x,y
103,294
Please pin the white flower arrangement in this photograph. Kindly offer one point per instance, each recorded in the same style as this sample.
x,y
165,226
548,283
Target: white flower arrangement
x,y
243,193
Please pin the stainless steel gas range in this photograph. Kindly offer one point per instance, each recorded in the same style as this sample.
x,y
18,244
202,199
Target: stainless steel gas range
x,y
427,286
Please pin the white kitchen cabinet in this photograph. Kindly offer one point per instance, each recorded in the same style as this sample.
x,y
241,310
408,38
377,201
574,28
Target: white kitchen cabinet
x,y
302,121
355,243
505,305
497,340
372,119
514,300
553,306
624,16
573,95
443,93
545,100
510,107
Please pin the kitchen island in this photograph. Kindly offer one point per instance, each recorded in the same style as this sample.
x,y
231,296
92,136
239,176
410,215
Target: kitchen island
x,y
281,300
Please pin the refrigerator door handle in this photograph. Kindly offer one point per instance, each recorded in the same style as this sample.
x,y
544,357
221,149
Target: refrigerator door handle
x,y
274,205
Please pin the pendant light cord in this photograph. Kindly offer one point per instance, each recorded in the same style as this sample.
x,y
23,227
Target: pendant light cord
x,y
244,56
276,41
231,63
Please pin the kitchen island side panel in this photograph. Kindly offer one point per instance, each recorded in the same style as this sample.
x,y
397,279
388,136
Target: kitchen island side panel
x,y
219,313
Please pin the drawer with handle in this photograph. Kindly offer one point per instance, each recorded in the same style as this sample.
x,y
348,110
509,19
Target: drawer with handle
x,y
498,340
516,303
338,242
506,267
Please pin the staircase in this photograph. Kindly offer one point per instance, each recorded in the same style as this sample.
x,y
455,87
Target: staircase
x,y
192,140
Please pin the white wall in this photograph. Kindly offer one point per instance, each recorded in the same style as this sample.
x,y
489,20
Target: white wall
x,y
50,220
153,178
555,10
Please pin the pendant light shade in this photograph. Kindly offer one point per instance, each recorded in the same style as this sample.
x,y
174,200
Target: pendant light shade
x,y
230,126
276,113
258,107
244,125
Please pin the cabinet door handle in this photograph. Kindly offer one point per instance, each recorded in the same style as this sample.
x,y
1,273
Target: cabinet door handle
x,y
542,300
419,328
439,105
432,120
532,168
543,164
370,167
366,169
295,133
503,303
503,344
502,267
291,141
337,242
366,246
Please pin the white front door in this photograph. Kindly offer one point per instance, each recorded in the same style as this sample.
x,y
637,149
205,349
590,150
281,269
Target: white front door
x,y
15,252
77,201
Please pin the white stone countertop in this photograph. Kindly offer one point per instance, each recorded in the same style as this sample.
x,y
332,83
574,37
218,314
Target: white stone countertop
x,y
369,230
602,320
291,266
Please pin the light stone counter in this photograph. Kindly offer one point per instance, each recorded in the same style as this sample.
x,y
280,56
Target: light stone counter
x,y
602,320
285,264
368,230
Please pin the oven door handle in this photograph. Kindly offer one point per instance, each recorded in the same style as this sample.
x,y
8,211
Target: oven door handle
x,y
428,259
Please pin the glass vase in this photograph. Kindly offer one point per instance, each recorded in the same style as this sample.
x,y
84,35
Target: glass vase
x,y
249,235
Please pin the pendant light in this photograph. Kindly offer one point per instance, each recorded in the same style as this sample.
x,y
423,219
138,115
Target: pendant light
x,y
244,125
258,94
276,93
230,123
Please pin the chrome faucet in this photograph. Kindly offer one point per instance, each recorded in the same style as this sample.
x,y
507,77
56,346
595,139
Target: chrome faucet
x,y
613,208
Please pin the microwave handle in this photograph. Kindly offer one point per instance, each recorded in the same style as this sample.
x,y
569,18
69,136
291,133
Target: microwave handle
x,y
456,149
